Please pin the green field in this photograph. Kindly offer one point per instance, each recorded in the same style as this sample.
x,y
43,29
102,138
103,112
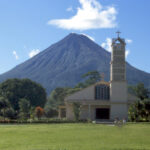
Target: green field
x,y
74,137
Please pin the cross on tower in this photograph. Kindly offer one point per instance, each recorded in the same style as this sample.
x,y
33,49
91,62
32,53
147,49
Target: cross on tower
x,y
118,33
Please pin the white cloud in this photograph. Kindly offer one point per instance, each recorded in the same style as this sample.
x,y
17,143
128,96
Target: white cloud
x,y
127,53
33,52
107,44
90,37
69,8
91,15
16,55
128,41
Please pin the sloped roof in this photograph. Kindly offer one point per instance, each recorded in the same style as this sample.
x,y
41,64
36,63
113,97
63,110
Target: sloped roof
x,y
87,92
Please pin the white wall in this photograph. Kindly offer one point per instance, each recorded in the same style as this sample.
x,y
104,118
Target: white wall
x,y
119,111
118,92
87,94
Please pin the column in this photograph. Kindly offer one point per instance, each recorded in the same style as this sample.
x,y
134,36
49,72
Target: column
x,y
89,111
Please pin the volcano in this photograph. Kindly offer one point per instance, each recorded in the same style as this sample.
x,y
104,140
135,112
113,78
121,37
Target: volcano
x,y
63,63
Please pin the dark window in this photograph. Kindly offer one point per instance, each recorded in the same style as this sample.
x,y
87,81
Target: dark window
x,y
102,92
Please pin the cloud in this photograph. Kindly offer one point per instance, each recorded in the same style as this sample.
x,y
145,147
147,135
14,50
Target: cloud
x,y
90,37
69,8
127,53
107,45
16,55
34,52
91,15
128,41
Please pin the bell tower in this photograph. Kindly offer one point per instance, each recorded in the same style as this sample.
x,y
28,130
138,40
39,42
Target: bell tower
x,y
118,64
118,84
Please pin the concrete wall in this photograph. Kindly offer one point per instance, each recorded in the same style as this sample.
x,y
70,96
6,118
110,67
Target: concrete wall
x,y
118,91
87,112
69,112
116,111
87,94
119,111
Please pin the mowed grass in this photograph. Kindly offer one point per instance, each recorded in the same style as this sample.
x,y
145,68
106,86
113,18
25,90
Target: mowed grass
x,y
74,137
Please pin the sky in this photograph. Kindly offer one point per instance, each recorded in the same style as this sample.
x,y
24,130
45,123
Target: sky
x,y
27,27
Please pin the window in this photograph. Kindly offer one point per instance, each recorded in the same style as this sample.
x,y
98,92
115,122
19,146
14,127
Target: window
x,y
102,92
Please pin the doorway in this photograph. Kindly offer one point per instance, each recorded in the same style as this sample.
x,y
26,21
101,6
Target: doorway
x,y
102,113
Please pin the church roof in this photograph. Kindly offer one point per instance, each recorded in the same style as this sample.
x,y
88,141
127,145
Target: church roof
x,y
86,91
102,82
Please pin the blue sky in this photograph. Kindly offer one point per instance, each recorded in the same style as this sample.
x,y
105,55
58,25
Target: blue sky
x,y
29,26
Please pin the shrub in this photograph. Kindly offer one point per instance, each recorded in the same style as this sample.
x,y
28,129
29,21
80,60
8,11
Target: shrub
x,y
39,112
140,111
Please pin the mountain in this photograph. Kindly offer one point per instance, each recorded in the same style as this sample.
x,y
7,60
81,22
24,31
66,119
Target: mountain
x,y
63,63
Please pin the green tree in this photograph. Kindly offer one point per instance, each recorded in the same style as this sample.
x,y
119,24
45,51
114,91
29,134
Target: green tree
x,y
4,104
24,108
32,113
81,85
57,97
10,113
16,89
140,110
140,91
91,77
50,111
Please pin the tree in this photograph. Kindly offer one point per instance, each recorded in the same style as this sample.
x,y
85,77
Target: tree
x,y
76,110
81,85
140,91
56,99
91,77
10,113
39,112
4,104
140,110
16,89
32,112
24,108
50,112
58,95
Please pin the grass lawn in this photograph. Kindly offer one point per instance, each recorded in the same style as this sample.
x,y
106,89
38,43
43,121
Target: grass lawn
x,y
74,137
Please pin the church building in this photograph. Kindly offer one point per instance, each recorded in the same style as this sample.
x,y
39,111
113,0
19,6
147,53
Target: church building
x,y
104,100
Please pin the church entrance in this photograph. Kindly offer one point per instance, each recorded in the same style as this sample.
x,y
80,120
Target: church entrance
x,y
102,113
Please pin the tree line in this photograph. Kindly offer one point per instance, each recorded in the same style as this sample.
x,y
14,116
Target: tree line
x,y
24,99
20,98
